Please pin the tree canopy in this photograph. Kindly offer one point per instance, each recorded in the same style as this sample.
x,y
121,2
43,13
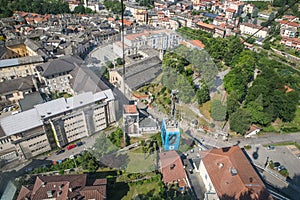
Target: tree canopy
x,y
36,6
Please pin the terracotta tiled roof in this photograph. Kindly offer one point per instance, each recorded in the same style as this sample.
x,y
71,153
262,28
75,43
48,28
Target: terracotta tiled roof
x,y
197,43
126,22
210,26
232,174
130,109
171,167
64,187
289,23
94,192
24,192
230,10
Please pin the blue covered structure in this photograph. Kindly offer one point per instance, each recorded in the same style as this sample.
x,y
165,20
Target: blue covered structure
x,y
210,15
170,134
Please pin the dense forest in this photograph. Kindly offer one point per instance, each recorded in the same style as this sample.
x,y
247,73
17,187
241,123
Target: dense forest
x,y
260,90
36,6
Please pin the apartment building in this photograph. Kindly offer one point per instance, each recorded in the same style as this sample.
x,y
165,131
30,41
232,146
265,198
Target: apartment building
x,y
55,123
250,29
20,58
289,29
22,136
157,39
76,117
11,91
19,67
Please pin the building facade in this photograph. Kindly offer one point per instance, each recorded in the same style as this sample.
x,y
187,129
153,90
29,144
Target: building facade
x,y
55,123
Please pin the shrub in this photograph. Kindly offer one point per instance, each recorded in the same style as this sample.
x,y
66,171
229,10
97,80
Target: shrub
x,y
271,164
284,172
247,147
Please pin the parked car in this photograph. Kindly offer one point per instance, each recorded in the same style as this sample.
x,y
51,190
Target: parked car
x,y
28,169
276,164
281,167
59,151
79,143
271,147
71,146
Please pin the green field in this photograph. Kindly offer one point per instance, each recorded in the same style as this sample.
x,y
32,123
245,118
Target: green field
x,y
140,162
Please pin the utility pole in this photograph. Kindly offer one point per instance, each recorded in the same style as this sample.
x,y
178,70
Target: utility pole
x,y
123,49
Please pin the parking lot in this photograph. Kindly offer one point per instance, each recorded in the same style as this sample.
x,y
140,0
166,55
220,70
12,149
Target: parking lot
x,y
259,154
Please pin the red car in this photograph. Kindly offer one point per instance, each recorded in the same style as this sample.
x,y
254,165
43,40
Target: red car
x,y
71,146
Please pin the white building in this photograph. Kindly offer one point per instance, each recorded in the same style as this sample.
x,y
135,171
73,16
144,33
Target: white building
x,y
250,29
228,174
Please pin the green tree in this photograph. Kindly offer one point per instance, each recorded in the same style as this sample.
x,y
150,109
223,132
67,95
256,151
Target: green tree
x,y
239,121
255,21
202,93
218,110
255,13
79,9
119,61
232,103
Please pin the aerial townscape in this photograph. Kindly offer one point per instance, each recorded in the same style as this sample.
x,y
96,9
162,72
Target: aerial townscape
x,y
150,99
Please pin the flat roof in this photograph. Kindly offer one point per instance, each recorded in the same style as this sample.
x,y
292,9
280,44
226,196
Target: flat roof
x,y
21,122
33,118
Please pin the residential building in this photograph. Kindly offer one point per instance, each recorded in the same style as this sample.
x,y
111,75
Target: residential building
x,y
230,13
22,136
248,8
80,116
11,91
193,44
293,43
65,187
206,27
131,120
250,29
228,174
19,67
172,169
157,39
29,133
56,73
289,29
220,31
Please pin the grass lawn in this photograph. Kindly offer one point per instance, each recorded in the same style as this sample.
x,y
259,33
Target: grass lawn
x,y
186,112
204,109
140,162
145,190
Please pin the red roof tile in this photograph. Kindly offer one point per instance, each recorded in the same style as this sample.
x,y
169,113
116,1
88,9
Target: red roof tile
x,y
232,174
130,109
171,167
197,43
